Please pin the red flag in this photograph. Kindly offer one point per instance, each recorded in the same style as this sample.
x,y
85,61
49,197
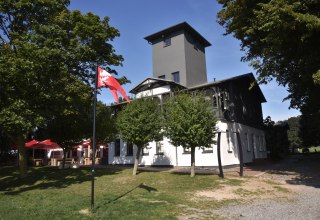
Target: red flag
x,y
106,79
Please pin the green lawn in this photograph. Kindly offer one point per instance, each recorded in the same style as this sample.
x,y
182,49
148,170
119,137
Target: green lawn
x,y
311,149
50,193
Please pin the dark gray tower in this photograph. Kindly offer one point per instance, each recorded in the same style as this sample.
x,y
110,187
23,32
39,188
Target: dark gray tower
x,y
178,54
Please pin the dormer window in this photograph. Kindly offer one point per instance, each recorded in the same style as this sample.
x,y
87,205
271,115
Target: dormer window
x,y
166,42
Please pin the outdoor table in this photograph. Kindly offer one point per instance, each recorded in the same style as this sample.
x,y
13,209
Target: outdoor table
x,y
38,162
87,161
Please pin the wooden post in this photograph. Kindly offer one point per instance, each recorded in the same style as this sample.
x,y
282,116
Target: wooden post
x,y
219,155
240,153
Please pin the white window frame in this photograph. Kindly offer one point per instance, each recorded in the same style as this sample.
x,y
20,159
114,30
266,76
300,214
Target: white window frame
x,y
229,140
247,142
159,145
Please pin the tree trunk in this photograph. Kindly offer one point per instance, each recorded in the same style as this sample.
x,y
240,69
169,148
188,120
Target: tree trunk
x,y
136,161
22,157
192,161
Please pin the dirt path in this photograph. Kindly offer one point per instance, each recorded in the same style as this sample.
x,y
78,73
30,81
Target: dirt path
x,y
289,189
286,190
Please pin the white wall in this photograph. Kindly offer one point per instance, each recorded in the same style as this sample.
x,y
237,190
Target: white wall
x,y
175,156
152,92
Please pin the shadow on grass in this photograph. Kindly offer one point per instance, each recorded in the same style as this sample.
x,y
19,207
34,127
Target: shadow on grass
x,y
198,173
141,186
179,171
47,177
296,169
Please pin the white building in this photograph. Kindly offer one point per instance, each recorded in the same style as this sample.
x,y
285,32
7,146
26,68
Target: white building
x,y
179,63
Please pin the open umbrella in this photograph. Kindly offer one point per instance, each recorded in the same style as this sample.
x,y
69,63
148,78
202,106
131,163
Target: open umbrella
x,y
84,144
46,144
31,143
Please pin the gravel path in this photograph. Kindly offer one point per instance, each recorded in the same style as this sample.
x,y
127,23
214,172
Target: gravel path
x,y
304,205
301,175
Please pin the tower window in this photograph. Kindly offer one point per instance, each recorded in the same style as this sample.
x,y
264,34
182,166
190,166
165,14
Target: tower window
x,y
176,77
162,77
166,42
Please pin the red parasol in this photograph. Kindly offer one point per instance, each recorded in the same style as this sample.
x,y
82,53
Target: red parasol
x,y
46,144
31,143
84,144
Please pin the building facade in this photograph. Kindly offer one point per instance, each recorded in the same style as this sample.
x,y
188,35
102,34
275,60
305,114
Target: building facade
x,y
179,64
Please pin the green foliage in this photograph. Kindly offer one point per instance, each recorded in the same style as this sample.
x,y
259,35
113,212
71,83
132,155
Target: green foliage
x,y
310,123
47,53
294,132
64,194
189,121
276,135
72,121
48,58
46,50
105,124
281,39
140,122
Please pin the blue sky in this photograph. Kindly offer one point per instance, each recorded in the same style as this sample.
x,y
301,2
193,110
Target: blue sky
x,y
136,19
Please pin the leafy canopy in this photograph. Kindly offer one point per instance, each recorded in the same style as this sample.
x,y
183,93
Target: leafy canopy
x,y
46,52
189,121
140,122
281,39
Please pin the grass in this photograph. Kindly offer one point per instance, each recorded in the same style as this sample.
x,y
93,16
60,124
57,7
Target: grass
x,y
50,193
312,149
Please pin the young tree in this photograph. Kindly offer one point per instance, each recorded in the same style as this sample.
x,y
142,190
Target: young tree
x,y
190,122
140,123
41,43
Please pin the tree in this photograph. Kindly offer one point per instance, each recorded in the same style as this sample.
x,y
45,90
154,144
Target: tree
x,y
276,138
43,48
72,121
294,132
282,41
140,123
310,124
105,124
190,122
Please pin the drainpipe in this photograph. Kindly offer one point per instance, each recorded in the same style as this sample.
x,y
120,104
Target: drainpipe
x,y
176,156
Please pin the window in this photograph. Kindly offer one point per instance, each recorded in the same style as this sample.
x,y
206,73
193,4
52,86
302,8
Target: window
x,y
145,151
226,100
222,101
159,147
214,101
229,141
117,147
162,77
247,142
252,141
260,143
129,149
176,77
166,42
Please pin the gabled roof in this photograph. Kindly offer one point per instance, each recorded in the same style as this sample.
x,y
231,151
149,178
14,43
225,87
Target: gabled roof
x,y
182,26
249,76
152,83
